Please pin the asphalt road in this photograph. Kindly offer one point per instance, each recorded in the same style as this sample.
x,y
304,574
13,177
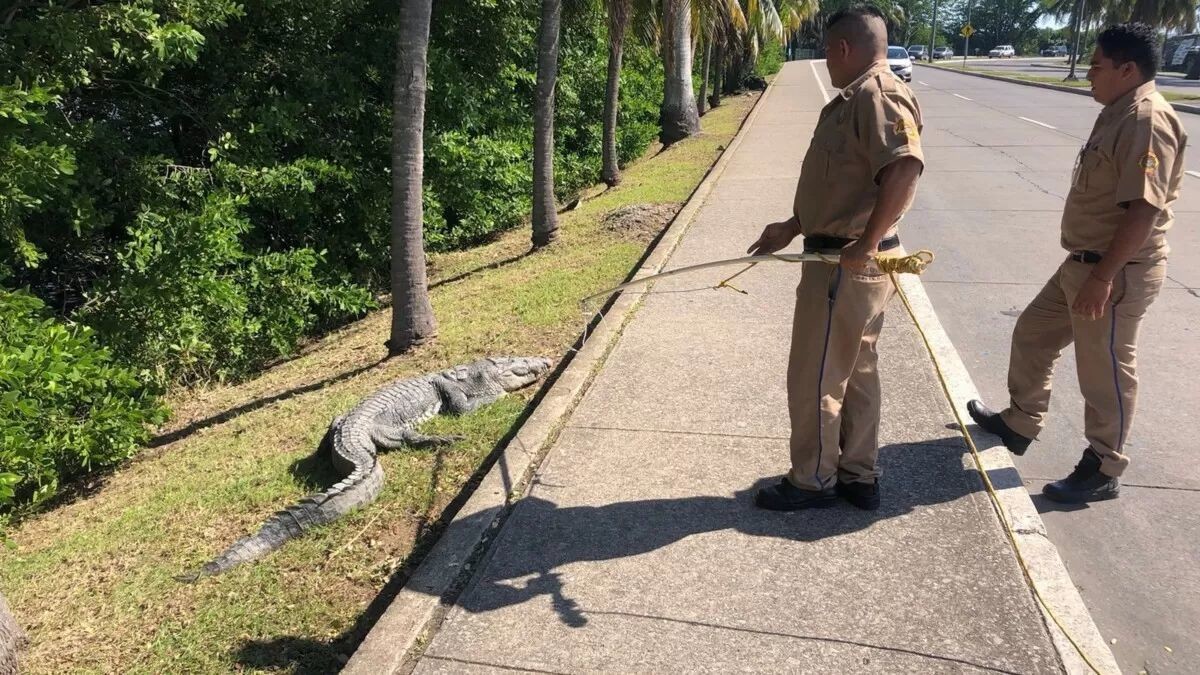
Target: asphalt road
x,y
1058,67
999,157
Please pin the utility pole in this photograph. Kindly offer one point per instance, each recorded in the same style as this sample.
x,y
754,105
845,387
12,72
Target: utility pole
x,y
967,40
1075,39
933,32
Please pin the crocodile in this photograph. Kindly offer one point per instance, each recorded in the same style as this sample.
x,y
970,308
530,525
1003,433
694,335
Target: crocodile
x,y
386,420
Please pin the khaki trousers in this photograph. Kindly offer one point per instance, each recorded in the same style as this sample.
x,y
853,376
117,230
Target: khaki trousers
x,y
1105,353
832,382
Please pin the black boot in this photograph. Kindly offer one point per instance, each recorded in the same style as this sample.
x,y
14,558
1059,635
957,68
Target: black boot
x,y
1085,484
992,423
787,497
862,495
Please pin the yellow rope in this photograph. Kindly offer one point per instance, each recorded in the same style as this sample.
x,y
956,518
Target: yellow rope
x,y
987,481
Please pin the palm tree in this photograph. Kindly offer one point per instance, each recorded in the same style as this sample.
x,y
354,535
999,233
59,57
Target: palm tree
x,y
412,314
1179,14
678,117
618,20
545,218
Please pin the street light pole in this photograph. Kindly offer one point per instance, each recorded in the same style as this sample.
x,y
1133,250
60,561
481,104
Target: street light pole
x,y
1075,39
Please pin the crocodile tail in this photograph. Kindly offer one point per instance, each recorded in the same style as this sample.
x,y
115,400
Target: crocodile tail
x,y
359,488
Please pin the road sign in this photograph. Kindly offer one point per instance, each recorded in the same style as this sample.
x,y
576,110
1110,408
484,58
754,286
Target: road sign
x,y
967,31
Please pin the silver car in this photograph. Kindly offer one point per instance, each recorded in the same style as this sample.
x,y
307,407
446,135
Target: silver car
x,y
900,62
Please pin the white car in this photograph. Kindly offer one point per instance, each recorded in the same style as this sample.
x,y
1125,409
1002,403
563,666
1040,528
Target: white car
x,y
900,62
1002,51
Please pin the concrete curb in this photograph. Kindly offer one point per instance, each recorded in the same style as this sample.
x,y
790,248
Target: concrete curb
x,y
419,608
1179,107
1046,568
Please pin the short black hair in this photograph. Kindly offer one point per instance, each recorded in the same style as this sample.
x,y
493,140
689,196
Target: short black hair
x,y
859,10
857,25
1134,42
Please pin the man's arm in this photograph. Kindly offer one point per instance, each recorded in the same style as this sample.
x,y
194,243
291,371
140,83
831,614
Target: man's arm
x,y
897,184
1131,236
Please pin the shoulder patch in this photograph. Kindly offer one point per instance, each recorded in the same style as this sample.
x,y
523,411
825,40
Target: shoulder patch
x,y
1149,163
905,127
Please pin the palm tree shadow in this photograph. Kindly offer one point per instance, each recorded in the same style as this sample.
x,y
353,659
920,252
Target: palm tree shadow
x,y
251,406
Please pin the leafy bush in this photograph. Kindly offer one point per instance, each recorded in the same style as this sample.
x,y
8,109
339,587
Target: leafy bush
x,y
188,302
65,406
770,61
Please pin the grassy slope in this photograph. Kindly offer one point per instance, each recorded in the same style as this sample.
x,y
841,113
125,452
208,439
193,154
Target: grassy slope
x,y
92,580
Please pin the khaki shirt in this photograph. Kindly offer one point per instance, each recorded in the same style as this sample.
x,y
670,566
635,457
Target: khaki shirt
x,y
868,125
1135,152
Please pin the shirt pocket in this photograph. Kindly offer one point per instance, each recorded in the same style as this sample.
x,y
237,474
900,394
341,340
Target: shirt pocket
x,y
832,149
1087,164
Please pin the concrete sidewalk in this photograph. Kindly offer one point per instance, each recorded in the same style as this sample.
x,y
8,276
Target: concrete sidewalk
x,y
638,549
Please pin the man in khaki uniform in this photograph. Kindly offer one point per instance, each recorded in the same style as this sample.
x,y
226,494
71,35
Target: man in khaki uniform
x,y
857,180
1114,225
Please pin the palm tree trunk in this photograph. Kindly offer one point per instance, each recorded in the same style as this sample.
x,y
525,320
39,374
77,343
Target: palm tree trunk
x,y
718,65
700,100
545,218
412,315
678,117
618,17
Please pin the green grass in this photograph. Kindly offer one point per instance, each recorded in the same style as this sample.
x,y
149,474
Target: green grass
x,y
92,580
1048,79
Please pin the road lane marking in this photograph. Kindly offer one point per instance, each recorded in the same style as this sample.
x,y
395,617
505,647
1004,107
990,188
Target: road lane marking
x,y
964,97
1038,123
1193,174
926,84
820,84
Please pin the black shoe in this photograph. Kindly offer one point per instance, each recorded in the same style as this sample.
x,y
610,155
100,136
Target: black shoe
x,y
992,423
862,495
1085,484
787,497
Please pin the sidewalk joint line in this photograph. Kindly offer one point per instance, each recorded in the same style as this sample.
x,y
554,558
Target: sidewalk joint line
x,y
813,638
467,662
714,434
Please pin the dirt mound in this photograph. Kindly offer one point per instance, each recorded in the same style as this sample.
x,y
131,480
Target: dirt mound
x,y
641,222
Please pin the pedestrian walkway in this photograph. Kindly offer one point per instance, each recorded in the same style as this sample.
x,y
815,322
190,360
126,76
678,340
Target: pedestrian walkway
x,y
638,548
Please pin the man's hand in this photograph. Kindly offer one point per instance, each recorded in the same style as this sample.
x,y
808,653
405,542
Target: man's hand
x,y
1092,298
775,236
856,255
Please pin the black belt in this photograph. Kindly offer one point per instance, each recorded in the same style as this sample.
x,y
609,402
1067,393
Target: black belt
x,y
819,242
1089,257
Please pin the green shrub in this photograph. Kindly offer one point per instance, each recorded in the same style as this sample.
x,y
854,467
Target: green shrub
x,y
188,302
65,407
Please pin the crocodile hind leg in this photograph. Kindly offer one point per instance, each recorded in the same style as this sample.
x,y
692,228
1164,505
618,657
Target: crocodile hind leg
x,y
390,438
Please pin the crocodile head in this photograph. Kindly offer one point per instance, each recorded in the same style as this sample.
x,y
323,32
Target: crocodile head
x,y
515,372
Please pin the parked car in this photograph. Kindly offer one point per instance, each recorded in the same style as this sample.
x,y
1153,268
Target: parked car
x,y
900,62
943,53
1055,50
1002,51
917,53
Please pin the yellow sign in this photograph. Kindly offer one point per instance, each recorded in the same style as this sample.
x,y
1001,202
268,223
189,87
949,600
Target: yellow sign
x,y
967,31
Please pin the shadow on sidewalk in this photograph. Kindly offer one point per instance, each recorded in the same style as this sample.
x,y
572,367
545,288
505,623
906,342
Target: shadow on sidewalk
x,y
542,537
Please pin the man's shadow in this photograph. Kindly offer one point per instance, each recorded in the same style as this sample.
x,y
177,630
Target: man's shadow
x,y
542,537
